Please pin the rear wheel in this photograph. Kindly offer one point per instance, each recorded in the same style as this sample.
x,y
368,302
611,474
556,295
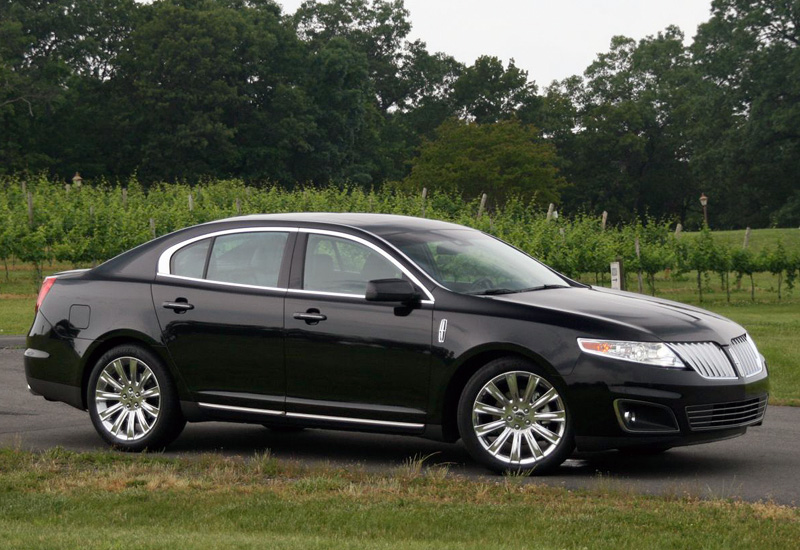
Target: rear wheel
x,y
132,400
513,417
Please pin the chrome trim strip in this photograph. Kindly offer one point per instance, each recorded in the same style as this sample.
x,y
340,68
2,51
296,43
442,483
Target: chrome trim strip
x,y
376,248
36,354
166,256
221,283
356,420
241,409
338,294
314,416
163,269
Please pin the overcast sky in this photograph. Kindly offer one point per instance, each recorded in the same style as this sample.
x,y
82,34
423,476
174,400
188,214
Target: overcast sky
x,y
551,39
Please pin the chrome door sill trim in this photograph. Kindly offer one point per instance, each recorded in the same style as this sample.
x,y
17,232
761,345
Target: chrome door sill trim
x,y
241,409
356,420
314,416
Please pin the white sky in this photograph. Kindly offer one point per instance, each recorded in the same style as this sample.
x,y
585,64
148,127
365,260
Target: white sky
x,y
551,39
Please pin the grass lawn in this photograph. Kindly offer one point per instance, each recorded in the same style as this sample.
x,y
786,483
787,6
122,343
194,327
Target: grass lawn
x,y
760,238
61,499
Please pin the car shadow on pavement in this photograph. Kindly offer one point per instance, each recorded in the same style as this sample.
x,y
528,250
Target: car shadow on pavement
x,y
379,451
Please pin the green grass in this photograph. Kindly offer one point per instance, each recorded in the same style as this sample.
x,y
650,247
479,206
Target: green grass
x,y
774,327
64,500
760,238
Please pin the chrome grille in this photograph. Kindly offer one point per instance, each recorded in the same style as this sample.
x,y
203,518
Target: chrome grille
x,y
746,356
706,358
726,415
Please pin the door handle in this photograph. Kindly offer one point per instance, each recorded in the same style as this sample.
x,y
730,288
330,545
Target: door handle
x,y
181,305
311,317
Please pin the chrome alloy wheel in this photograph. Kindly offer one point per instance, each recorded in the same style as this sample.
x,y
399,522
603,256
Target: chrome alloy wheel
x,y
127,398
519,417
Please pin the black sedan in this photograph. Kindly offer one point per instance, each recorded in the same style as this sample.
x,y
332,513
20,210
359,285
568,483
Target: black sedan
x,y
389,324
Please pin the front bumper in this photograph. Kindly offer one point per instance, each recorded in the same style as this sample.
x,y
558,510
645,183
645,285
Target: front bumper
x,y
600,391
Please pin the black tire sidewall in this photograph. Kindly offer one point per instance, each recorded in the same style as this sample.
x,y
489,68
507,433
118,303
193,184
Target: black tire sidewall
x,y
170,421
467,432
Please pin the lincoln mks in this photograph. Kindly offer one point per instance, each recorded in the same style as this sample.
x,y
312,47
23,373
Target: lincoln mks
x,y
388,324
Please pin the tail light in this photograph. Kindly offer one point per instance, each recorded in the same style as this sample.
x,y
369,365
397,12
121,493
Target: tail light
x,y
47,284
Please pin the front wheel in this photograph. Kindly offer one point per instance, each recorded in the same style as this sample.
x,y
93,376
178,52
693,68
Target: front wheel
x,y
132,400
513,417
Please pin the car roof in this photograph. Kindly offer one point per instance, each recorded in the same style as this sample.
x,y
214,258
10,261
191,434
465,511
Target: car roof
x,y
377,224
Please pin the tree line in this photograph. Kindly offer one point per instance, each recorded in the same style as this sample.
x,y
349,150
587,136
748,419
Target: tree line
x,y
337,92
44,220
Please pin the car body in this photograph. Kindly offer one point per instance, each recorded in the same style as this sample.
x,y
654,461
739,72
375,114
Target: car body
x,y
385,323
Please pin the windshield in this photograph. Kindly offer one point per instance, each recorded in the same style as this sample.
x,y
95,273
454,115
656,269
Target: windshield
x,y
470,262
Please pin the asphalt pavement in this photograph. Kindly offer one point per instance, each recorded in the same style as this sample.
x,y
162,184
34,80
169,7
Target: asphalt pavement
x,y
764,464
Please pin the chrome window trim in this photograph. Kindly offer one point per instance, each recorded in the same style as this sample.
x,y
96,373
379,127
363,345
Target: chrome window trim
x,y
272,412
164,261
223,283
374,247
163,267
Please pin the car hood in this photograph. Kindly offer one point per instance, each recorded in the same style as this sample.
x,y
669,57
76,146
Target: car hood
x,y
660,319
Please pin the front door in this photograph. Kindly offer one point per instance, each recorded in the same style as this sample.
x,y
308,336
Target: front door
x,y
221,313
349,360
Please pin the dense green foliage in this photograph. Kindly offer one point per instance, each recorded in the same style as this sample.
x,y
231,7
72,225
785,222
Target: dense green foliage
x,y
338,93
44,220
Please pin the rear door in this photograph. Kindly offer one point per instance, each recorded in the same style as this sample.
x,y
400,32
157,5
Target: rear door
x,y
220,307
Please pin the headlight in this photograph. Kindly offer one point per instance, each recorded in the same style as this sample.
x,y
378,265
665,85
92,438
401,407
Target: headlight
x,y
648,353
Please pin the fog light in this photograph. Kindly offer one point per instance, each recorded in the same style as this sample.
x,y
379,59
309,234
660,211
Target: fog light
x,y
644,417
630,418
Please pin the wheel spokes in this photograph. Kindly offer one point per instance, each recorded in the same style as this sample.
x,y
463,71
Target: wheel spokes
x,y
513,390
106,396
121,372
485,429
545,398
107,379
533,382
492,390
498,443
483,408
554,416
127,409
546,434
523,424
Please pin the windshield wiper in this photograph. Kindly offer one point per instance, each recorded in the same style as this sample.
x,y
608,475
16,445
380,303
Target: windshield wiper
x,y
492,292
499,291
541,287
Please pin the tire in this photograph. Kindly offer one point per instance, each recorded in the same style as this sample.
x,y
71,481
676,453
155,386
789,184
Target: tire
x,y
138,416
514,437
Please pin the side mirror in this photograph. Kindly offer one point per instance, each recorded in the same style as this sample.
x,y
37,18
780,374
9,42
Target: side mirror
x,y
391,290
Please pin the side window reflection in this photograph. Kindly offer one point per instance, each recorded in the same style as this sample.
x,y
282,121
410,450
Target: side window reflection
x,y
342,266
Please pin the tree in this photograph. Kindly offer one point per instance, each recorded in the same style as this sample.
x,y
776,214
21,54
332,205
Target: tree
x,y
748,53
622,129
502,159
488,92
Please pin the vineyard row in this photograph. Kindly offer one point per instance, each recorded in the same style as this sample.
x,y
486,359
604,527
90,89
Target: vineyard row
x,y
43,220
